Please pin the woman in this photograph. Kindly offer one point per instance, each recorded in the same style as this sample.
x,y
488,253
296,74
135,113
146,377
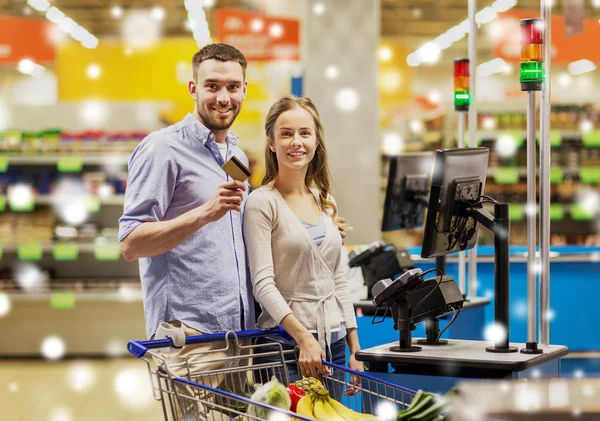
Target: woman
x,y
293,246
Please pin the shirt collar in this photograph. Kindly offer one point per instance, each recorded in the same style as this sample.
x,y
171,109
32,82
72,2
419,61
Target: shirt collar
x,y
201,131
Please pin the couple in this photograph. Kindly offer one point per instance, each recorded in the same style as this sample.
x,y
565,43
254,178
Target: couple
x,y
184,219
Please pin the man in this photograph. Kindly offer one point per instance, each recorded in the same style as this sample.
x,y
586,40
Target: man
x,y
182,215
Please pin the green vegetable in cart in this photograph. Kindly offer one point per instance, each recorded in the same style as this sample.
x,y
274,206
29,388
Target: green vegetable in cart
x,y
427,407
271,393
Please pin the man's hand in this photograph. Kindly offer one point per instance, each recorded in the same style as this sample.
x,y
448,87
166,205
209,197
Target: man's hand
x,y
227,197
342,226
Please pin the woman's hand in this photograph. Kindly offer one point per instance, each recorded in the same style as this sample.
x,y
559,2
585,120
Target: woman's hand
x,y
355,381
310,358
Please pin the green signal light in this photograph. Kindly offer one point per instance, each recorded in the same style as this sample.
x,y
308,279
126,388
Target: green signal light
x,y
462,99
532,71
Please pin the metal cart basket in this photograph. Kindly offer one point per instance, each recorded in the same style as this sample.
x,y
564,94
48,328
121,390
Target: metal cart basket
x,y
216,384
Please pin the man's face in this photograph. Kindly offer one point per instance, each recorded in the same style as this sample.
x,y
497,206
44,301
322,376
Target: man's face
x,y
219,91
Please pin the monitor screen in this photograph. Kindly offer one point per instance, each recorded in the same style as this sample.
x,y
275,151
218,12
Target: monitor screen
x,y
458,176
407,191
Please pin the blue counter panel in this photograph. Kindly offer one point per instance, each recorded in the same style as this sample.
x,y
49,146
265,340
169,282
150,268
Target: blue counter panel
x,y
574,294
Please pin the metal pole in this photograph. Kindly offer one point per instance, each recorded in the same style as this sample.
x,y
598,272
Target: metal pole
x,y
472,125
531,218
544,327
462,256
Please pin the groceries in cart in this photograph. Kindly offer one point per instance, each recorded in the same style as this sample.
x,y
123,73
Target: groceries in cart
x,y
427,406
271,393
217,389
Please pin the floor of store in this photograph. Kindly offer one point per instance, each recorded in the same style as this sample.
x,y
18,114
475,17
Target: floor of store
x,y
119,389
90,390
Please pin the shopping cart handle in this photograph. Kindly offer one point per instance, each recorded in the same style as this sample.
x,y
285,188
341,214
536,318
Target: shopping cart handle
x,y
139,348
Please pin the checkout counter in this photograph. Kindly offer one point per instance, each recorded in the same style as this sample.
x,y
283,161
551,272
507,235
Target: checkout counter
x,y
456,208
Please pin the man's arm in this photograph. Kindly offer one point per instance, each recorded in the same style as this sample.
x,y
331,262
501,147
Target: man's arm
x,y
153,238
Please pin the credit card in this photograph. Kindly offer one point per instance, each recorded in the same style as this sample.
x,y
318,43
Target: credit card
x,y
236,169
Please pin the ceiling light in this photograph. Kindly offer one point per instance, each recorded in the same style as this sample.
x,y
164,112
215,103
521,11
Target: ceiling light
x,y
456,33
596,4
39,5
55,15
485,15
489,123
276,30
257,25
332,72
116,12
581,66
430,53
385,53
68,25
586,126
503,5
347,99
444,41
465,25
26,66
393,144
93,71
127,384
506,146
53,348
158,13
413,60
90,41
208,3
564,79
434,97
318,8
79,33
5,304
416,126
416,13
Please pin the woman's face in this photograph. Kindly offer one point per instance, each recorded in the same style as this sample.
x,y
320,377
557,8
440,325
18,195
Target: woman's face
x,y
295,139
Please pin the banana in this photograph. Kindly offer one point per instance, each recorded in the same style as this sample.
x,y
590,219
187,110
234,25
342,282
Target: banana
x,y
344,412
324,412
305,407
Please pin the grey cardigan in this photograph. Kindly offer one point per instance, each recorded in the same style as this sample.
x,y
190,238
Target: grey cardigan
x,y
289,272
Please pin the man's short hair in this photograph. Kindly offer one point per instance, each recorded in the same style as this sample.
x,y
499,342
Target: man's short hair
x,y
221,52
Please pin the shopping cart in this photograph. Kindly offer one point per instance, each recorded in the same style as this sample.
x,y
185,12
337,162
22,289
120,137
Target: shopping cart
x,y
222,392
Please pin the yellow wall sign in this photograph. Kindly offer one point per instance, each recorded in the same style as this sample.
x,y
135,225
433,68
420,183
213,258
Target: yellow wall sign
x,y
161,72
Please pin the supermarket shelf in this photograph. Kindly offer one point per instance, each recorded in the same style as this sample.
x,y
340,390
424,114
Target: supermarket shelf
x,y
48,248
125,294
116,200
63,251
494,134
112,159
523,171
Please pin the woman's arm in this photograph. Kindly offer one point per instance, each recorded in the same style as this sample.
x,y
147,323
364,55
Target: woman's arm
x,y
311,353
258,227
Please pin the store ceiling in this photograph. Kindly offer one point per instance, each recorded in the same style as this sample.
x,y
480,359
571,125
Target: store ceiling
x,y
414,22
95,15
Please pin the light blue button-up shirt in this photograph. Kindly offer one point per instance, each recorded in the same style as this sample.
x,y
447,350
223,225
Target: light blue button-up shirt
x,y
202,282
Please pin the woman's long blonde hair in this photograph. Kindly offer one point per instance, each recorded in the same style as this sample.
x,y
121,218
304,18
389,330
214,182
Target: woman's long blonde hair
x,y
318,175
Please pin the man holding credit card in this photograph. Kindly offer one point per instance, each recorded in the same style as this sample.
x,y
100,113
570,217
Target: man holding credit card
x,y
182,214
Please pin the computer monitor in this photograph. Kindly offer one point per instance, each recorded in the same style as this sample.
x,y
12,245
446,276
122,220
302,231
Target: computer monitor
x,y
455,210
458,176
407,190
